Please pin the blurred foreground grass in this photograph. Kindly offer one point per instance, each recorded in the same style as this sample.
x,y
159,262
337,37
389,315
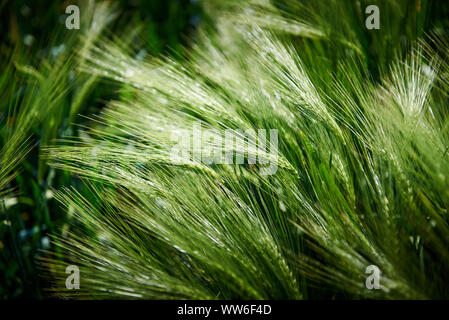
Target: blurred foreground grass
x,y
36,44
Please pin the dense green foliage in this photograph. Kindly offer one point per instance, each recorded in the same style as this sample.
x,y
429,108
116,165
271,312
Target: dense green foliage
x,y
363,168
42,96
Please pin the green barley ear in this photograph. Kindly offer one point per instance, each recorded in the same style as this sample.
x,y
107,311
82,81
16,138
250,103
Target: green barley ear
x,y
361,182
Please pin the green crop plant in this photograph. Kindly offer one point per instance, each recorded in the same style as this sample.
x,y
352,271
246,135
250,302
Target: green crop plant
x,y
362,158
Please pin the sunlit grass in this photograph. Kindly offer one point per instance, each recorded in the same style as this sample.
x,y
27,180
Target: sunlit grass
x,y
362,174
